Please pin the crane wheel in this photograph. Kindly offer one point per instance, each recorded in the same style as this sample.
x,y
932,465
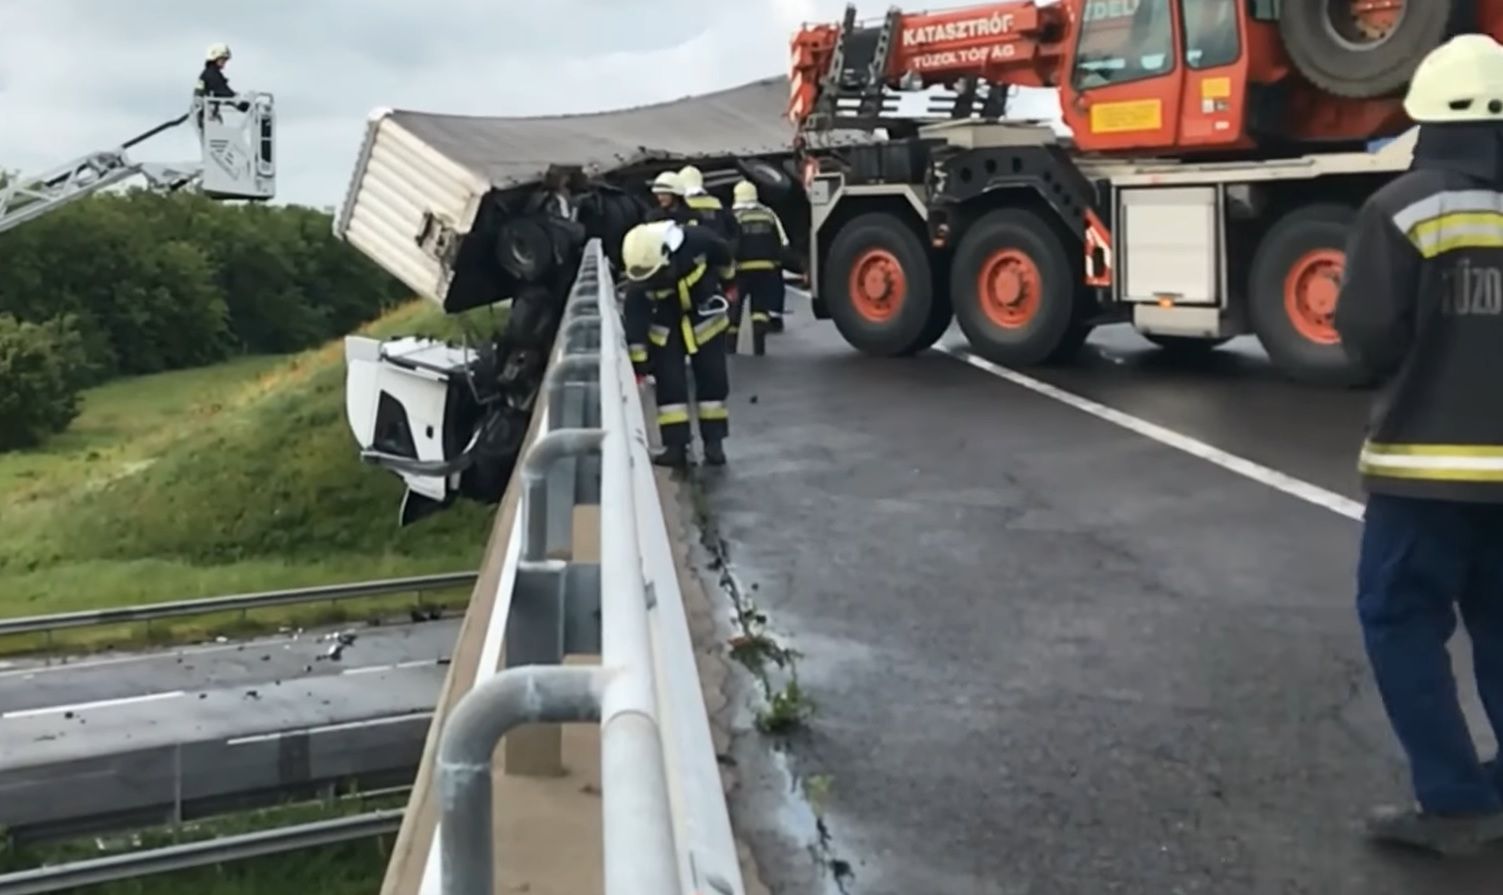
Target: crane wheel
x,y
1014,290
1292,290
1347,49
878,287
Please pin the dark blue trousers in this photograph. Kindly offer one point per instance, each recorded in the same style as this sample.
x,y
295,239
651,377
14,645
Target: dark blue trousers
x,y
1421,560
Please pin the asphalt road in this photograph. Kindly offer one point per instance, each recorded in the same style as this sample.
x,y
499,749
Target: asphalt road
x,y
97,705
1050,655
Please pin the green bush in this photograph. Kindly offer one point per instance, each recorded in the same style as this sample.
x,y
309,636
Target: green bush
x,y
42,369
165,282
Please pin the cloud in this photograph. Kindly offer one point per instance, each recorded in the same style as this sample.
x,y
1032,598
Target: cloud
x,y
80,75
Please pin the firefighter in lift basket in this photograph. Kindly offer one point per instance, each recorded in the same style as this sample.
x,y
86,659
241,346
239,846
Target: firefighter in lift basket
x,y
674,311
212,83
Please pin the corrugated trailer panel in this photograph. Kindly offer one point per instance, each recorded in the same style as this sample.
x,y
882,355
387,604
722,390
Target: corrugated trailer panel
x,y
409,207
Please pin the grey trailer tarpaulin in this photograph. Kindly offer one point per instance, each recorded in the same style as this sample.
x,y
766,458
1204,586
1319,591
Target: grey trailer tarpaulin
x,y
423,183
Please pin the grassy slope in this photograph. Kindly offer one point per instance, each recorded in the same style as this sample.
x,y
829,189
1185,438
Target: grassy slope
x,y
237,477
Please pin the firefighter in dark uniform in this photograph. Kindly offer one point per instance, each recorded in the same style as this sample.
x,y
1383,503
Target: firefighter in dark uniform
x,y
213,83
668,190
1421,312
706,210
680,283
706,207
760,250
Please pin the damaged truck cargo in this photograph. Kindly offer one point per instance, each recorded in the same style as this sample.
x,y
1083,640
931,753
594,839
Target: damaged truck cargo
x,y
475,211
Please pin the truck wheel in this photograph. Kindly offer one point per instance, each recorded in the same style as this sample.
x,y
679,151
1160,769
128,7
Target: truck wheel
x,y
1292,290
1349,49
1013,290
878,287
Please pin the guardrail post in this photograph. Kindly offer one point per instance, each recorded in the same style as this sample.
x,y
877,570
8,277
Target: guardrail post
x,y
537,627
480,720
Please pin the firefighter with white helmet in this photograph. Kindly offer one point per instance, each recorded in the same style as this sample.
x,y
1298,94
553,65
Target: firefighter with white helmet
x,y
1421,311
760,250
212,82
668,190
674,311
707,208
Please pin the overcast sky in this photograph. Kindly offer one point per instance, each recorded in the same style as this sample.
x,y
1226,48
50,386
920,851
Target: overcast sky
x,y
82,75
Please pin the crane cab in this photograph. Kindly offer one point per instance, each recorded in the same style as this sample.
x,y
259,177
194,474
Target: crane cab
x,y
239,158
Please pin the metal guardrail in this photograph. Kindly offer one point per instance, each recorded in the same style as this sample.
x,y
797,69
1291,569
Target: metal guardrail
x,y
666,827
200,854
39,624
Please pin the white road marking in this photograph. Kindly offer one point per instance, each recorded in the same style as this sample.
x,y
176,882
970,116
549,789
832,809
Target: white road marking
x,y
327,728
371,669
1310,493
99,704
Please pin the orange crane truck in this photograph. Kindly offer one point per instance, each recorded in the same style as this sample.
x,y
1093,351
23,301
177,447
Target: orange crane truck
x,y
1220,149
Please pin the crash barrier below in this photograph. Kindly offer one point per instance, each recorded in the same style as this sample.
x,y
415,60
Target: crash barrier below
x,y
665,825
417,585
203,853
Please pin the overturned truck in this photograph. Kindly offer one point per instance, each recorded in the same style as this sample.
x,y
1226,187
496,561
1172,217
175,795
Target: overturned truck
x,y
472,212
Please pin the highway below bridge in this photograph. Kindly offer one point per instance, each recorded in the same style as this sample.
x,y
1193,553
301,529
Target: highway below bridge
x,y
100,742
1090,630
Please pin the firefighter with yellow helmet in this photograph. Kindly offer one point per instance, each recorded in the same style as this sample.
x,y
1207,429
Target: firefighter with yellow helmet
x,y
1421,312
760,250
677,307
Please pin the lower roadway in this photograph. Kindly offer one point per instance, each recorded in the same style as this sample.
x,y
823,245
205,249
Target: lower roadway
x,y
1051,653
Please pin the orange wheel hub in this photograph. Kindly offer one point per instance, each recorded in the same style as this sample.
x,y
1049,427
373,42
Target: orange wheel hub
x,y
1009,288
877,285
1364,22
1310,292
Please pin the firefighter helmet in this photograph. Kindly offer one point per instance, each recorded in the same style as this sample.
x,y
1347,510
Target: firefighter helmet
x,y
1461,80
668,182
692,180
646,248
745,192
217,52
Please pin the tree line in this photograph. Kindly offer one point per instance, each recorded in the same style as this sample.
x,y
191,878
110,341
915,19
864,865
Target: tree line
x,y
138,282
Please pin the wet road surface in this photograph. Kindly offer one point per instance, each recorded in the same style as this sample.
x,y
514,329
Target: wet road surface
x,y
1050,655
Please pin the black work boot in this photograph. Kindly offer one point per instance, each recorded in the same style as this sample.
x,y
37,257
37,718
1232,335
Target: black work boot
x,y
1446,835
775,324
714,453
759,340
673,456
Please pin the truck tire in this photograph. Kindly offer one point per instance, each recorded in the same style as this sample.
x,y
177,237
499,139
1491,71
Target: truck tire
x,y
1292,289
878,287
770,180
1014,290
1363,58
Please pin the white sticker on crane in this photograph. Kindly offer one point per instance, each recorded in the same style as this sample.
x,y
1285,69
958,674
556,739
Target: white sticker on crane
x,y
985,26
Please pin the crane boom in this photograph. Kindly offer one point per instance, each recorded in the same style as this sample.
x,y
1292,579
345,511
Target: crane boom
x,y
237,163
